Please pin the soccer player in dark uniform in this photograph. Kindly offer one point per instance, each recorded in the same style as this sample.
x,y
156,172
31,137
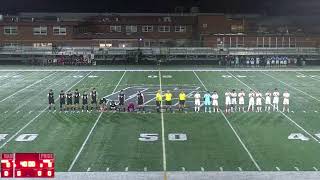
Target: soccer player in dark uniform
x,y
113,106
121,99
85,101
103,104
62,97
76,100
69,100
94,96
140,99
51,99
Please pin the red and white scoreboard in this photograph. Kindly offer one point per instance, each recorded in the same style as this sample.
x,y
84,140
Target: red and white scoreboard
x,y
27,165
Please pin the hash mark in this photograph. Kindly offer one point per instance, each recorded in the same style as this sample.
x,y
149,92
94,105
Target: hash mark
x,y
108,169
18,112
202,169
315,111
145,169
30,112
221,168
183,169
315,168
88,169
240,169
296,168
127,169
304,111
278,169
6,112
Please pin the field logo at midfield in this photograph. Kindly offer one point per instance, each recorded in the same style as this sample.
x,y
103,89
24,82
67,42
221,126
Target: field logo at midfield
x,y
164,76
150,137
21,138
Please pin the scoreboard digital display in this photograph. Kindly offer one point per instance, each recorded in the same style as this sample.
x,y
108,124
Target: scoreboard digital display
x,y
27,165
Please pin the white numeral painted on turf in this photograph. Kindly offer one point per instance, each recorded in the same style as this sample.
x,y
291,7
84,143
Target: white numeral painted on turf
x,y
148,137
301,76
153,76
226,76
3,136
177,137
298,136
26,137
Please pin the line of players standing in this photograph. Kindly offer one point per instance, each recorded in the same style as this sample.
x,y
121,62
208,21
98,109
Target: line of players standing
x,y
232,105
71,101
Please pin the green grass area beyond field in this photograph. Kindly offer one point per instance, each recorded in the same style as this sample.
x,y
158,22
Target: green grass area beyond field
x,y
151,141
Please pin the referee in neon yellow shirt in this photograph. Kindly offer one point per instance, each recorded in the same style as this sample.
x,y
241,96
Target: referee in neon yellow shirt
x,y
168,98
158,100
182,100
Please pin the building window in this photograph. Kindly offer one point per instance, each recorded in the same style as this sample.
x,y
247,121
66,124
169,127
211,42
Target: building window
x,y
164,29
131,29
180,29
237,28
105,45
204,25
10,30
11,44
42,44
147,28
115,28
59,31
40,31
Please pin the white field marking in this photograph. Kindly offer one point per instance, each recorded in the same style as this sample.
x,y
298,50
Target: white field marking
x,y
163,70
145,169
292,111
18,112
202,169
183,169
41,112
308,76
127,169
27,87
239,168
88,169
93,127
292,87
296,168
315,168
221,168
304,111
6,112
278,169
295,123
234,131
316,111
164,158
108,169
30,112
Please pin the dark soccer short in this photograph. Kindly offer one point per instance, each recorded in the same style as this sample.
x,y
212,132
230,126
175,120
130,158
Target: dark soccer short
x,y
168,103
51,101
140,103
84,102
69,102
182,102
76,101
62,102
121,103
158,103
94,101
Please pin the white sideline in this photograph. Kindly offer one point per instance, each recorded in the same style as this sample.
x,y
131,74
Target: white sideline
x,y
27,87
93,127
163,135
281,112
292,87
234,131
33,119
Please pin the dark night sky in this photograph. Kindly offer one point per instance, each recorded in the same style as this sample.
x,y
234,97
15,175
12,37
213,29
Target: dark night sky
x,y
271,7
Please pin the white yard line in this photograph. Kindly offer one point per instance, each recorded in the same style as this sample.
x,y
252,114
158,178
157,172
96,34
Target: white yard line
x,y
27,87
93,127
41,112
292,86
301,128
164,158
234,131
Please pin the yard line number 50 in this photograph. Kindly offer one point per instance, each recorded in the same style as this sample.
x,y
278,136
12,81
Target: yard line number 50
x,y
150,137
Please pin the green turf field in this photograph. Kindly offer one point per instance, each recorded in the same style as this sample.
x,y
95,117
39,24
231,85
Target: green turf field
x,y
108,141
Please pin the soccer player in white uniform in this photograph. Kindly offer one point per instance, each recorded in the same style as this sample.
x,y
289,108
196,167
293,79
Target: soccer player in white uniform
x,y
251,101
259,101
268,101
275,101
228,101
197,102
241,96
234,100
286,96
215,103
